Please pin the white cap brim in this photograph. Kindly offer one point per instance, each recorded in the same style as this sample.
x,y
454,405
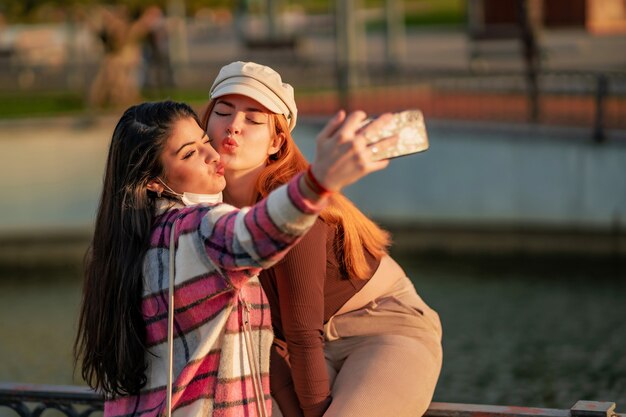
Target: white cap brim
x,y
253,89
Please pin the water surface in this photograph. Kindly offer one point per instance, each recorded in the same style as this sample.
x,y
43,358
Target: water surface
x,y
511,337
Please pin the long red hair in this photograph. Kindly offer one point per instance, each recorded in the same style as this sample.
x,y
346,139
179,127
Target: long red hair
x,y
357,232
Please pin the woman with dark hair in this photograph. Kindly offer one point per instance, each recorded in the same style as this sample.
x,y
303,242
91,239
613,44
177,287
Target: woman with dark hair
x,y
161,222
352,336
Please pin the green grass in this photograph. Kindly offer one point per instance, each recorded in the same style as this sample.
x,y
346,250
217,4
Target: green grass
x,y
435,12
435,18
57,103
21,104
429,13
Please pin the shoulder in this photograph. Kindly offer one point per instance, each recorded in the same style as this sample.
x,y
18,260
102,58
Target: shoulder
x,y
189,218
321,227
310,250
315,239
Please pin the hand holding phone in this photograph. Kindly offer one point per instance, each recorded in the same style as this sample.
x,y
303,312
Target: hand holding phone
x,y
409,126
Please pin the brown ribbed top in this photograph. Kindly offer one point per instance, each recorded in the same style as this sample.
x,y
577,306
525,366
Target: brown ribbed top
x,y
304,290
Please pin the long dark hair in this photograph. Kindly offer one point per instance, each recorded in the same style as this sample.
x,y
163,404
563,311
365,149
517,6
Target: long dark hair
x,y
111,330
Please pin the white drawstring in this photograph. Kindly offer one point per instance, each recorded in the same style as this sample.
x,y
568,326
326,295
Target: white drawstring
x,y
168,188
257,383
170,321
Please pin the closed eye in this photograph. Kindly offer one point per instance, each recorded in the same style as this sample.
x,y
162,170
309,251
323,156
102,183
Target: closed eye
x,y
251,119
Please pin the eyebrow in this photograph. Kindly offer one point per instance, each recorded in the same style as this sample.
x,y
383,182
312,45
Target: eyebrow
x,y
229,104
189,143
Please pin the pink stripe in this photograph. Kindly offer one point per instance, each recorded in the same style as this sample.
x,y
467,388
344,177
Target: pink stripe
x,y
210,363
189,319
240,278
207,286
189,390
195,391
220,243
298,199
187,293
191,219
153,306
235,390
125,405
161,233
268,239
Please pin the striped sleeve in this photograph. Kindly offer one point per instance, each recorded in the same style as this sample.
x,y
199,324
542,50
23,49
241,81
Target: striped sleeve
x,y
258,236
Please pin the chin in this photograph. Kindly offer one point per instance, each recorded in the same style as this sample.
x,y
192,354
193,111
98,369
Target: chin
x,y
220,184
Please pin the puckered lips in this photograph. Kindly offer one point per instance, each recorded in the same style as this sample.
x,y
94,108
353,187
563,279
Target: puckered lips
x,y
229,145
219,169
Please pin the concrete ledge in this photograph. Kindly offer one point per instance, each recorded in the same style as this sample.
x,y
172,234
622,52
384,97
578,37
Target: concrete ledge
x,y
490,240
53,250
65,249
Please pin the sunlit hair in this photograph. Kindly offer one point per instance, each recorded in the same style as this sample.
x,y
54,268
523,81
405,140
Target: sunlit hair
x,y
357,232
111,330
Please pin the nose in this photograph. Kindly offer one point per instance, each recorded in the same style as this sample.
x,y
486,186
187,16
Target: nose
x,y
211,155
235,123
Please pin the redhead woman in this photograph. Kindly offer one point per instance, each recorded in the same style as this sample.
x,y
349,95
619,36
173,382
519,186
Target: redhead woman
x,y
351,335
172,271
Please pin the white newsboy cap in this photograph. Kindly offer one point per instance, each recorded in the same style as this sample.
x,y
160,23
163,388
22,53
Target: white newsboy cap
x,y
260,83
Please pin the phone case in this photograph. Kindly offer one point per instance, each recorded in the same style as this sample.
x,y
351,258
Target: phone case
x,y
411,130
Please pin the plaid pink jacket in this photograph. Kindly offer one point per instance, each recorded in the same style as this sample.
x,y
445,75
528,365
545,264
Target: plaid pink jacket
x,y
219,252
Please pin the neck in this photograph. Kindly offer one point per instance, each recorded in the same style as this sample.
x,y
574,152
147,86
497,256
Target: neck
x,y
239,190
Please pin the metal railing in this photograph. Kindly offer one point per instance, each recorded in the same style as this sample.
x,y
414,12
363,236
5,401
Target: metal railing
x,y
589,99
28,400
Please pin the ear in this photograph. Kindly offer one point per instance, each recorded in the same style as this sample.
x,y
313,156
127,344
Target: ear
x,y
276,143
156,186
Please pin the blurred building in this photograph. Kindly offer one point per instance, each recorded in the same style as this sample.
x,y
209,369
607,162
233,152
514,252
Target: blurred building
x,y
499,18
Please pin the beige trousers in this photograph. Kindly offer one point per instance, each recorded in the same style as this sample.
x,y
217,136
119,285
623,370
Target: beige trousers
x,y
386,358
384,355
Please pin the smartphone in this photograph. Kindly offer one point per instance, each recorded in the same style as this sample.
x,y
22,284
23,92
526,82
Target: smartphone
x,y
411,130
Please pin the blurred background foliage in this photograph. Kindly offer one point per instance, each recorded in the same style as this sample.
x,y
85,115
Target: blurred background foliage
x,y
30,102
418,12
